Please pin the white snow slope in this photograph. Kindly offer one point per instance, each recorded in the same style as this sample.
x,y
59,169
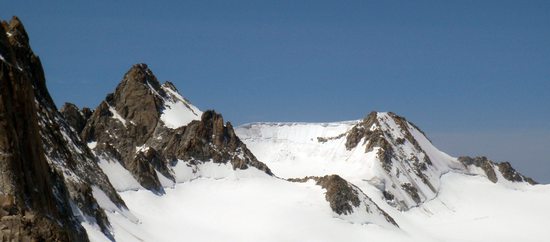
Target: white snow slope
x,y
178,111
222,204
465,205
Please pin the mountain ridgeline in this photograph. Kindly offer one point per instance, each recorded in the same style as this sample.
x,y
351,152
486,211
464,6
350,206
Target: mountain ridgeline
x,y
48,174
64,172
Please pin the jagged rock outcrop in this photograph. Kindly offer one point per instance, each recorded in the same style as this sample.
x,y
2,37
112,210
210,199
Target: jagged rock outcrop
x,y
412,164
491,169
34,205
149,128
347,199
47,172
75,117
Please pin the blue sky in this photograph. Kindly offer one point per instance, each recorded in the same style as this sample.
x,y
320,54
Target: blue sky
x,y
475,75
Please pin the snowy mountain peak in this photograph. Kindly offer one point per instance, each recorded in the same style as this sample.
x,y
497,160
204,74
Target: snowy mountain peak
x,y
158,136
48,175
383,150
146,165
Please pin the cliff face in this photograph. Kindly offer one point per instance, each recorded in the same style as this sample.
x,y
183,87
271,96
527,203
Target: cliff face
x,y
35,204
149,128
48,174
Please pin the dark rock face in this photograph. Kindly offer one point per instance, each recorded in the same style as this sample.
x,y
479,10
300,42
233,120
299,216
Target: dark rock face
x,y
46,169
483,163
510,174
343,196
193,142
34,205
339,194
75,117
128,127
491,167
412,191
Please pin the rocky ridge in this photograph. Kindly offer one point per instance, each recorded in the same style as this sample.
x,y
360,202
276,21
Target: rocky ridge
x,y
52,181
412,165
48,174
132,127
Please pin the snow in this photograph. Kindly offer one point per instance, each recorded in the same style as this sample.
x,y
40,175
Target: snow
x,y
270,209
471,208
291,150
245,209
120,178
106,204
178,111
117,116
92,145
212,202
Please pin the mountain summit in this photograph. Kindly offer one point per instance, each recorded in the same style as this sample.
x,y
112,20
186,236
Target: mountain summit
x,y
147,165
383,150
150,130
49,177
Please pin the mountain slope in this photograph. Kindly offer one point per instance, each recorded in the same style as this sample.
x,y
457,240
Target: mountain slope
x,y
50,178
147,165
146,139
140,149
383,150
153,132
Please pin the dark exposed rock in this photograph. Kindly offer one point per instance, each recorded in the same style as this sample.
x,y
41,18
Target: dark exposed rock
x,y
403,124
342,196
339,194
505,168
145,172
46,168
481,162
388,196
35,202
325,139
193,142
510,174
128,121
412,191
361,131
75,117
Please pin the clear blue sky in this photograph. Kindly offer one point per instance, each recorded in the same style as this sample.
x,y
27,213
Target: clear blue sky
x,y
475,75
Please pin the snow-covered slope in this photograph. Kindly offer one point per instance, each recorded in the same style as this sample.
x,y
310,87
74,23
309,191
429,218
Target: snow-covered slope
x,y
150,141
383,150
252,208
177,111
156,168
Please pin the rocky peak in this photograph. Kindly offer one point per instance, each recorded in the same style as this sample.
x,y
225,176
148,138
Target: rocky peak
x,y
394,139
494,170
48,174
34,202
410,163
149,128
137,99
75,117
22,58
